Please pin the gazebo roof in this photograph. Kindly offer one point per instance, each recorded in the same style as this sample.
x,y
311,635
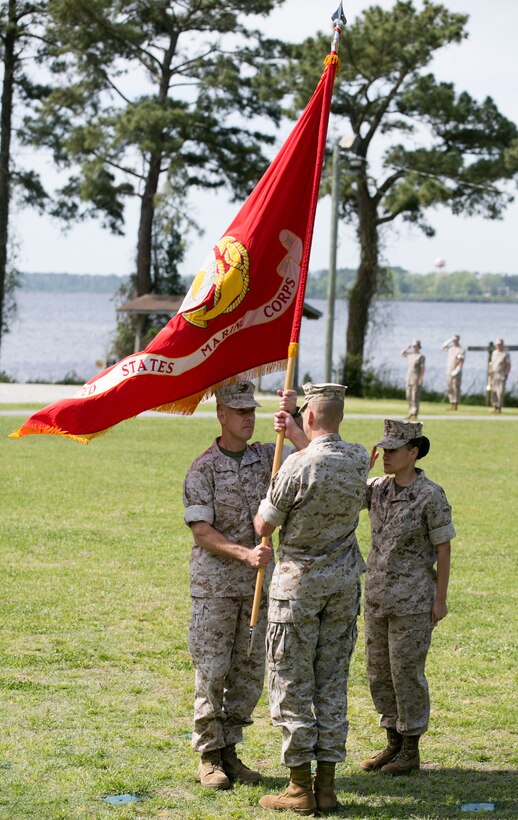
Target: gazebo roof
x,y
310,312
168,305
153,303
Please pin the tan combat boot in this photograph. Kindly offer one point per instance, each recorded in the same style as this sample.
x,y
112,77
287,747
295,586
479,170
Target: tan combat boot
x,y
235,769
391,750
324,786
408,758
210,771
298,797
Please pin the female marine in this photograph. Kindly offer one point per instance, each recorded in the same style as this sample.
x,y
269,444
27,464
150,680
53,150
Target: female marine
x,y
405,591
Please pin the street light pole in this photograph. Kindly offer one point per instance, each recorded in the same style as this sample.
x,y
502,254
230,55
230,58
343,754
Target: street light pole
x,y
344,145
331,277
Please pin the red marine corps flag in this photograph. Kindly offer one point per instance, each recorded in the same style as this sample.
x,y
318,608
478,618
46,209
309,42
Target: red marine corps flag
x,y
241,317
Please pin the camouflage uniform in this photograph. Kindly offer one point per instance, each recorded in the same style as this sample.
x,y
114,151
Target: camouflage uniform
x,y
315,595
499,368
456,356
399,595
225,494
415,364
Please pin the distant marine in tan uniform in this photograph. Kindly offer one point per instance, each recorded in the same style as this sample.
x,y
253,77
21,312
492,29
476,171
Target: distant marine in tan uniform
x,y
454,365
414,377
499,368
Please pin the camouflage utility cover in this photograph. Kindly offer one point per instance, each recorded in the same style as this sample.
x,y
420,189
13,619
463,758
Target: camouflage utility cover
x,y
327,391
240,395
396,433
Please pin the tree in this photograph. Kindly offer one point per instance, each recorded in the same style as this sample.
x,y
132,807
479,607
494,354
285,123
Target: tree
x,y
452,150
152,96
20,24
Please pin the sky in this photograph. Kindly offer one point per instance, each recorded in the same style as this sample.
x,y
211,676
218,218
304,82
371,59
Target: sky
x,y
484,64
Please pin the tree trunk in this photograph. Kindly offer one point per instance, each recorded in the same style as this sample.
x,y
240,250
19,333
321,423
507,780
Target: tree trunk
x,y
145,228
147,208
5,149
362,292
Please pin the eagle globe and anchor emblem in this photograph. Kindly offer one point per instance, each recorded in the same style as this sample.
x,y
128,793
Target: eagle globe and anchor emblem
x,y
226,270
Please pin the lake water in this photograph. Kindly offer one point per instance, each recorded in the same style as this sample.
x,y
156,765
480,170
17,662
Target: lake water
x,y
56,333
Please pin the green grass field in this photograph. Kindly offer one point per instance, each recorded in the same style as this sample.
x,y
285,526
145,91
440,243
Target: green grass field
x,y
96,679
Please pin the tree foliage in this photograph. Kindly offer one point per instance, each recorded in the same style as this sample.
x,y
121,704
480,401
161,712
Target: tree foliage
x,y
151,98
457,286
418,143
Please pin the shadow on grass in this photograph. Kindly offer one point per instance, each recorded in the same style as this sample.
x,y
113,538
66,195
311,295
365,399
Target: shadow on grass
x,y
430,794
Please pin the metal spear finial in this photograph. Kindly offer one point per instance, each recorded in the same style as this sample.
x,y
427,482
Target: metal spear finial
x,y
339,15
339,21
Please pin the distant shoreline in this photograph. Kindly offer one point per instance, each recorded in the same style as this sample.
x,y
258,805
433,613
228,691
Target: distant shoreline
x,y
72,282
112,283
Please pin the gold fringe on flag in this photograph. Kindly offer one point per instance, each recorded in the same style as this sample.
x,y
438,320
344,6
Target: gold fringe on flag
x,y
188,405
333,59
36,428
185,406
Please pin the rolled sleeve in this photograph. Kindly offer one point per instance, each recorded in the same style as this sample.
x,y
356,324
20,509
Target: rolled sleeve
x,y
198,512
198,497
442,534
271,514
438,516
283,486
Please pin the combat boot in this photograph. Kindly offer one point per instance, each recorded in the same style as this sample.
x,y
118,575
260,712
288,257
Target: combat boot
x,y
387,755
298,797
235,769
324,786
210,771
407,760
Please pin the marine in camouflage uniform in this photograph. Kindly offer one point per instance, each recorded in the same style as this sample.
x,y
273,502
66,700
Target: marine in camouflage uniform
x,y
222,491
410,527
454,365
499,368
314,599
414,377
